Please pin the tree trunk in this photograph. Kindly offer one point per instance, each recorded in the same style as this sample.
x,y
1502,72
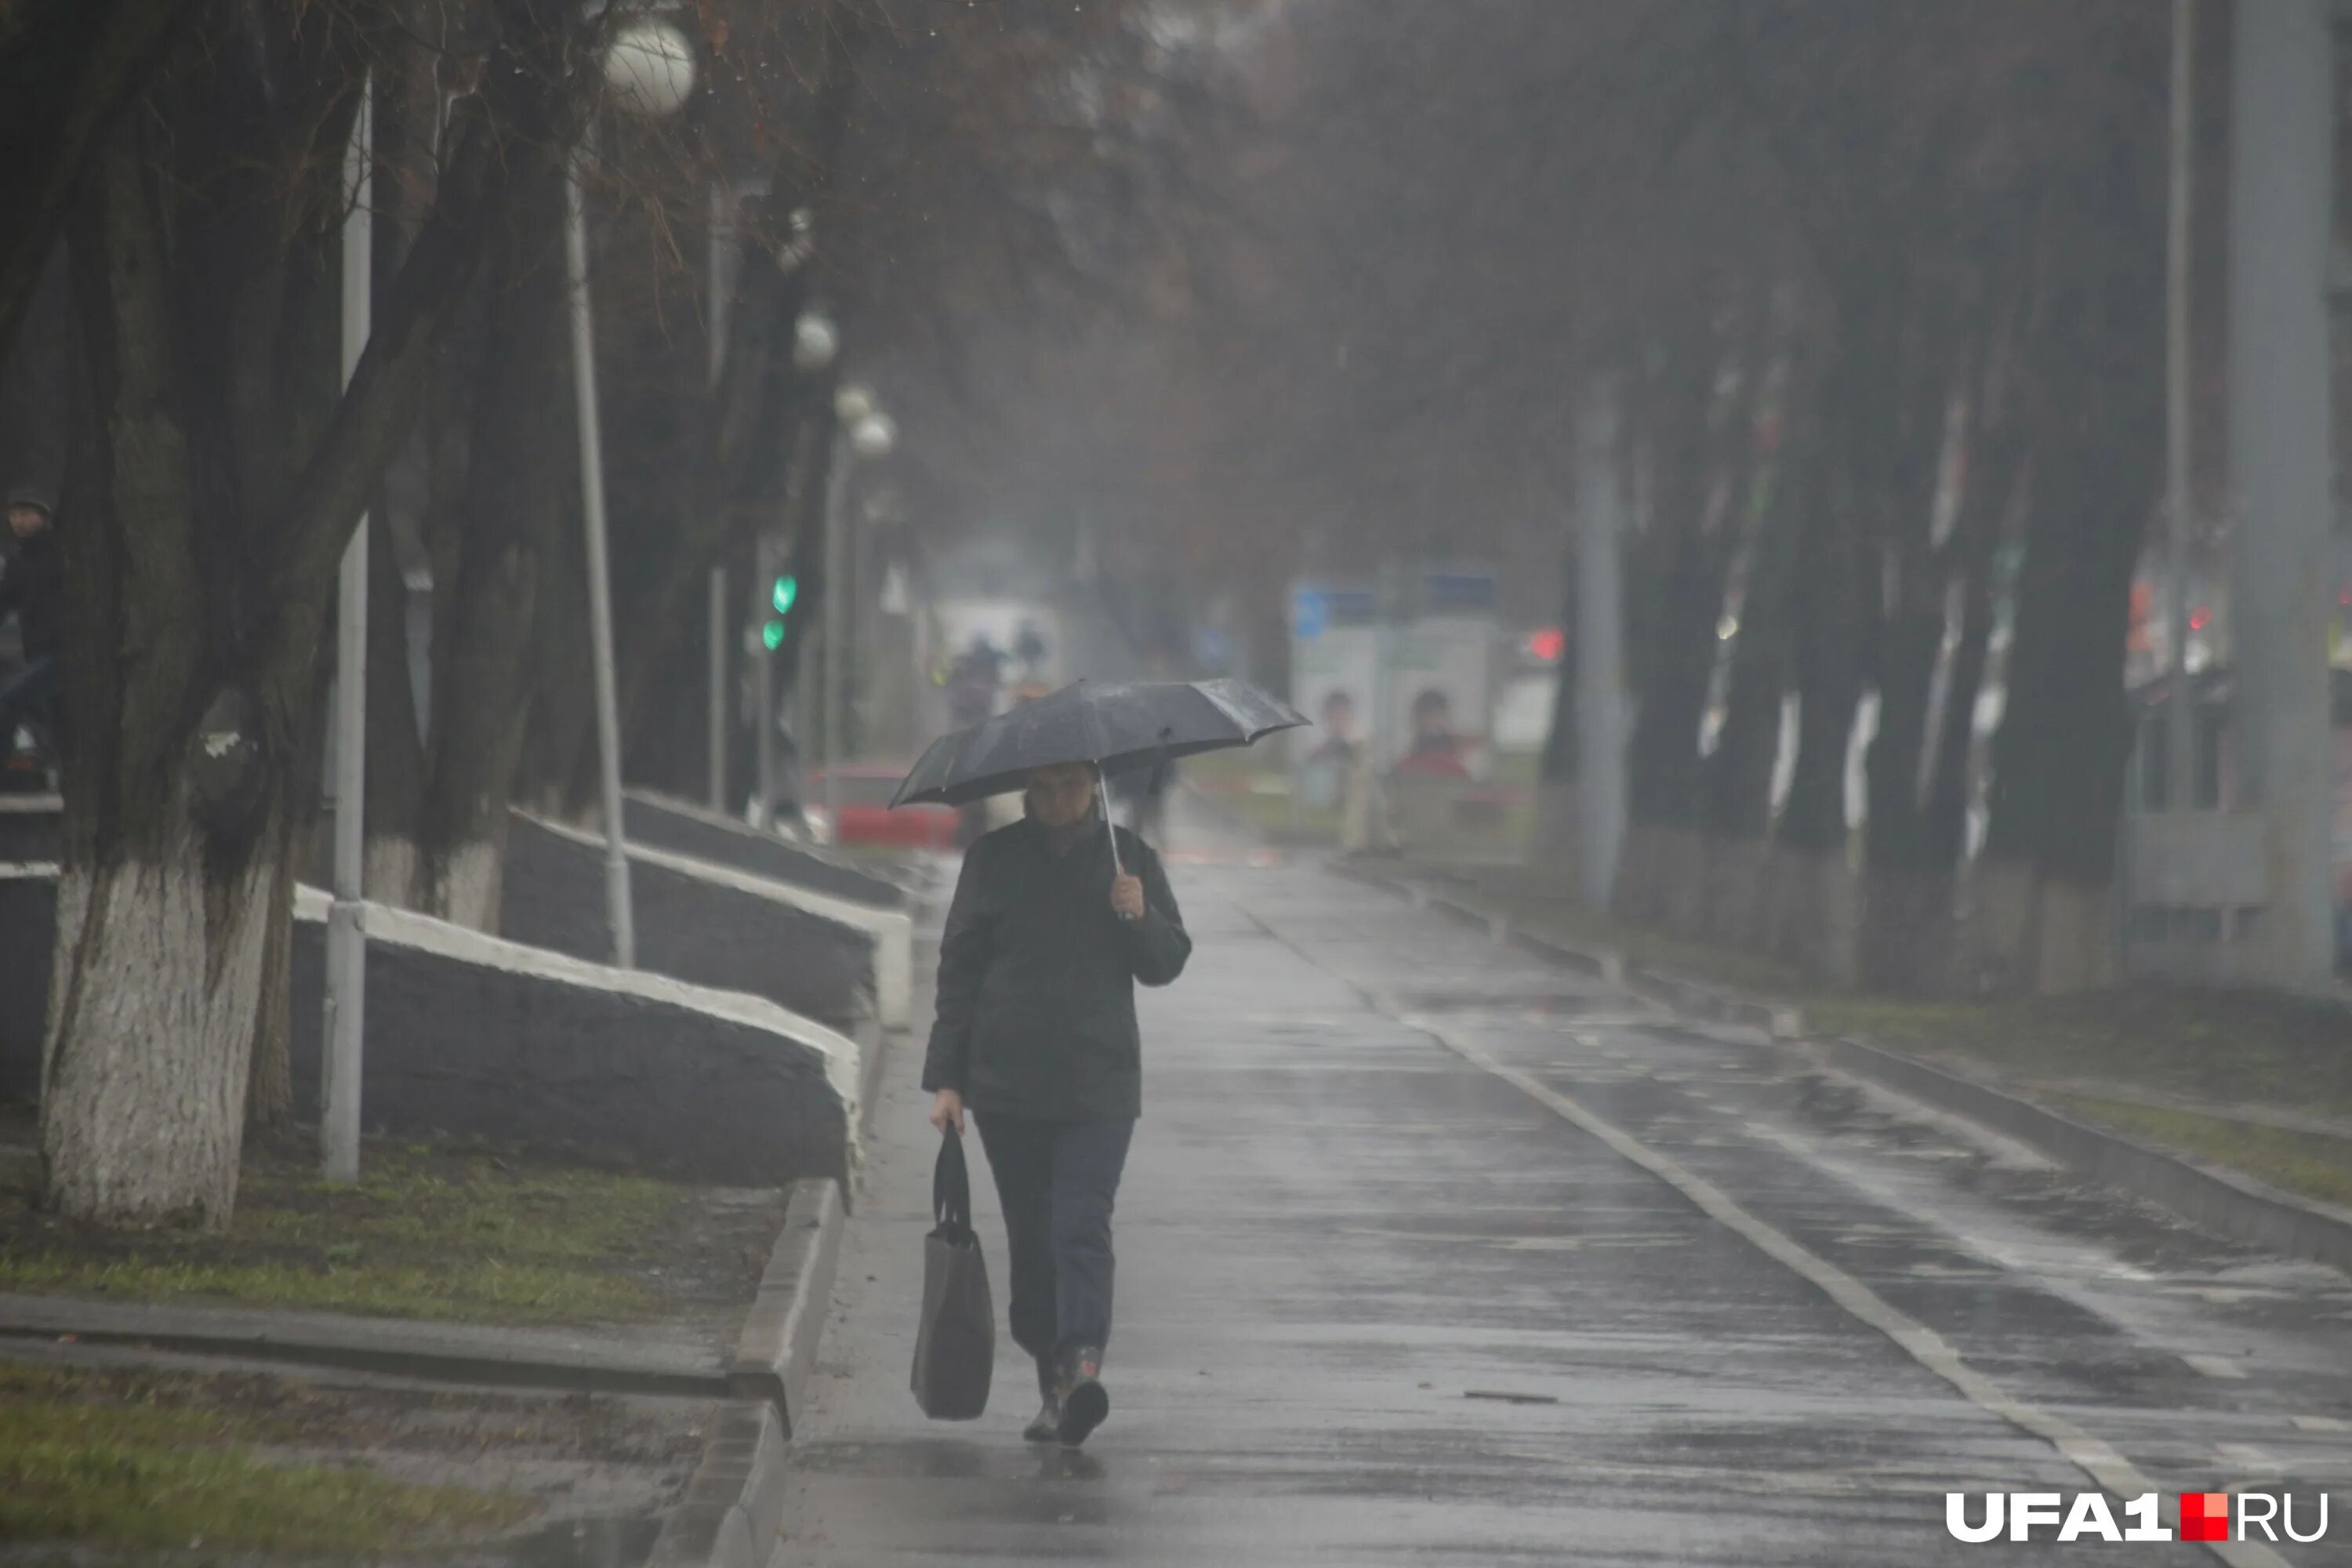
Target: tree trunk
x,y
1810,900
142,1100
269,1081
177,782
2093,413
1676,597
1739,776
226,477
512,518
1987,504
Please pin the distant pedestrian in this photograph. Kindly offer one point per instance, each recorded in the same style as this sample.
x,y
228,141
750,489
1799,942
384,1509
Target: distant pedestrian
x,y
1437,749
33,592
1045,945
1338,749
1029,648
1145,792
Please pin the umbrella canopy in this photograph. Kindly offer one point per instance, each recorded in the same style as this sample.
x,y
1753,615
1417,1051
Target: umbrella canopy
x,y
1116,727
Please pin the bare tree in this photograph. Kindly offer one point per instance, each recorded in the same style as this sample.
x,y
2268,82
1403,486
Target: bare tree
x,y
223,471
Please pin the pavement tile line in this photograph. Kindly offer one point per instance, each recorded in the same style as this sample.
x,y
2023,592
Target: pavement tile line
x,y
2107,1467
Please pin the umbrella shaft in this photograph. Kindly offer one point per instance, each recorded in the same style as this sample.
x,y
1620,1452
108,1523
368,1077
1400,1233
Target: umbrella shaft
x,y
1102,788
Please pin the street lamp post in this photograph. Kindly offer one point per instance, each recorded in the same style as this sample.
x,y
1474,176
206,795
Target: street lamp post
x,y
861,430
649,66
338,1114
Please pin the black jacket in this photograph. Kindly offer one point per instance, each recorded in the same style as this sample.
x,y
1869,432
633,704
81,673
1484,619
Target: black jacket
x,y
1037,977
35,589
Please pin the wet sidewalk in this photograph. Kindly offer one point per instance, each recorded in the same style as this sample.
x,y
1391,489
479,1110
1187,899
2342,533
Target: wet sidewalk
x,y
1430,1252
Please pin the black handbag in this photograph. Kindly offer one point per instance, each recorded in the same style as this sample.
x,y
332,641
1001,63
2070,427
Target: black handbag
x,y
955,1344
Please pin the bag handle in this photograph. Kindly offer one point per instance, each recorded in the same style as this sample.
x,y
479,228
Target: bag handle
x,y
951,1186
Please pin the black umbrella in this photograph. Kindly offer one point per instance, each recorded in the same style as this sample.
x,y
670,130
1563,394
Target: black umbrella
x,y
1115,726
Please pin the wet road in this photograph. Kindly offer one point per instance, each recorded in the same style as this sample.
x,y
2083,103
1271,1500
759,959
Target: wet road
x,y
1741,1314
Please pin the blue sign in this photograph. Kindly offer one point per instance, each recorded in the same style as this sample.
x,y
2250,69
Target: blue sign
x,y
1309,614
1457,592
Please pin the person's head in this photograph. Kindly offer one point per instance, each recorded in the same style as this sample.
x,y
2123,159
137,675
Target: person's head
x,y
1061,794
1433,714
28,511
1339,715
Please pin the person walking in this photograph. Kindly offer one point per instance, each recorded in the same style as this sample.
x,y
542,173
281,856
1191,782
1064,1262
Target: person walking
x,y
1036,1040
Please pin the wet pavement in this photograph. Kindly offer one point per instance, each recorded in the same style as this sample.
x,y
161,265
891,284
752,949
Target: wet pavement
x,y
1433,1253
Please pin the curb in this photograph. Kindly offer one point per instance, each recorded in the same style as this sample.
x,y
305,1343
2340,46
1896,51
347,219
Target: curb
x,y
429,1351
733,1509
734,1506
778,1345
2226,1203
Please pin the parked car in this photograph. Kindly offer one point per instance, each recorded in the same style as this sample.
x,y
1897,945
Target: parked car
x,y
866,813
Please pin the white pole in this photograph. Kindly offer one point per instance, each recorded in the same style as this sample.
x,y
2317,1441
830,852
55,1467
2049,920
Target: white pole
x,y
2180,769
836,593
617,912
2280,176
1599,643
338,1120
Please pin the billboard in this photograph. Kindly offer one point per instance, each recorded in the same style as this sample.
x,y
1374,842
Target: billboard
x,y
1446,641
1334,649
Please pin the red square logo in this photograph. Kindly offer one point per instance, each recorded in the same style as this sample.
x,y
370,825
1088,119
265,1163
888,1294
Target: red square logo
x,y
2204,1516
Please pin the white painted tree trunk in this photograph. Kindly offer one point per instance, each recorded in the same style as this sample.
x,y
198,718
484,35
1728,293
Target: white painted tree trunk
x,y
464,887
469,887
389,871
155,991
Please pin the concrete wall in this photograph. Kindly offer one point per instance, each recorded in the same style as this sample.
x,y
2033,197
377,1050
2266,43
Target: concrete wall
x,y
691,924
32,828
28,923
476,1037
658,821
712,924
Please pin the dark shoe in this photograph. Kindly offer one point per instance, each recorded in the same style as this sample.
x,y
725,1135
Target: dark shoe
x,y
1047,1427
1086,1404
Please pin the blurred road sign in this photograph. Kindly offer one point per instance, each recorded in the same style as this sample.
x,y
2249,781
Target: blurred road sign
x,y
1310,611
1456,593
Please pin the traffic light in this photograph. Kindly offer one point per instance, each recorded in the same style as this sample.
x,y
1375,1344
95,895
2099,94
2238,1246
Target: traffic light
x,y
782,596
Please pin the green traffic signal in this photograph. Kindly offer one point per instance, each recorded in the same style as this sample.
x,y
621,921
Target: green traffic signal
x,y
772,636
788,590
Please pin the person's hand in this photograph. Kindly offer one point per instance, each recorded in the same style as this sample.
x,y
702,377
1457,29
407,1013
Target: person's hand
x,y
1127,896
947,1110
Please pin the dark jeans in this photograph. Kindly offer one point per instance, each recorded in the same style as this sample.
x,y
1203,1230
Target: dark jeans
x,y
30,693
1058,1181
